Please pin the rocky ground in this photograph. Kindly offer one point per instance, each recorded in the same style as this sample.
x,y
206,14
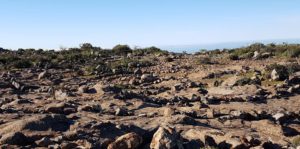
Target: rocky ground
x,y
175,104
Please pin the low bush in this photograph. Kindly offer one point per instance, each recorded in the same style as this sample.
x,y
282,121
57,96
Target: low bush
x,y
121,49
233,57
23,63
296,141
205,60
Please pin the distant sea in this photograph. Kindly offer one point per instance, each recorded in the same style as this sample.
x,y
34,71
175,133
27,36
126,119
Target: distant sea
x,y
227,45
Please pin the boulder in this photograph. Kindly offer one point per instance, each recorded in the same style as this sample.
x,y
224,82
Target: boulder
x,y
214,138
121,112
44,142
16,85
68,145
270,145
57,108
111,88
166,138
267,127
266,55
177,87
83,89
60,95
279,74
180,119
280,117
43,75
256,55
210,113
168,112
148,78
15,138
54,122
60,108
90,108
127,141
137,71
133,81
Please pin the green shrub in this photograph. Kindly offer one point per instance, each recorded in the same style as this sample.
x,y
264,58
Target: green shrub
x,y
246,55
205,60
214,52
233,57
291,53
168,59
6,59
23,63
290,68
296,141
86,46
275,66
121,49
121,63
149,50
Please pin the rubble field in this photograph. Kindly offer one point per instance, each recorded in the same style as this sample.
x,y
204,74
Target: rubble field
x,y
159,100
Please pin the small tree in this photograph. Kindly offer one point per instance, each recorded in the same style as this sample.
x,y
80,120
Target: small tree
x,y
121,49
86,46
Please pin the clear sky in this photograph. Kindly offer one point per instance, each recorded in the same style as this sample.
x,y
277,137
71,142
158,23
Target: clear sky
x,y
105,23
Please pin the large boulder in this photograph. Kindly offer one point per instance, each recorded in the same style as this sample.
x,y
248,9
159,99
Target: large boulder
x,y
54,122
166,138
127,141
15,138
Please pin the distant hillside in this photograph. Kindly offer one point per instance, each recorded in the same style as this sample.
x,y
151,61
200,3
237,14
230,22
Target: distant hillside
x,y
227,45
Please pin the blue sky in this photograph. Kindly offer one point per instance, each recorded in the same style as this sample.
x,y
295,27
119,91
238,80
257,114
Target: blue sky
x,y
55,23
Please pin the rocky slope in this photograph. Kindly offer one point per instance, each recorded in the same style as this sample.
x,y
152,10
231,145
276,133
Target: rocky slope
x,y
176,103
